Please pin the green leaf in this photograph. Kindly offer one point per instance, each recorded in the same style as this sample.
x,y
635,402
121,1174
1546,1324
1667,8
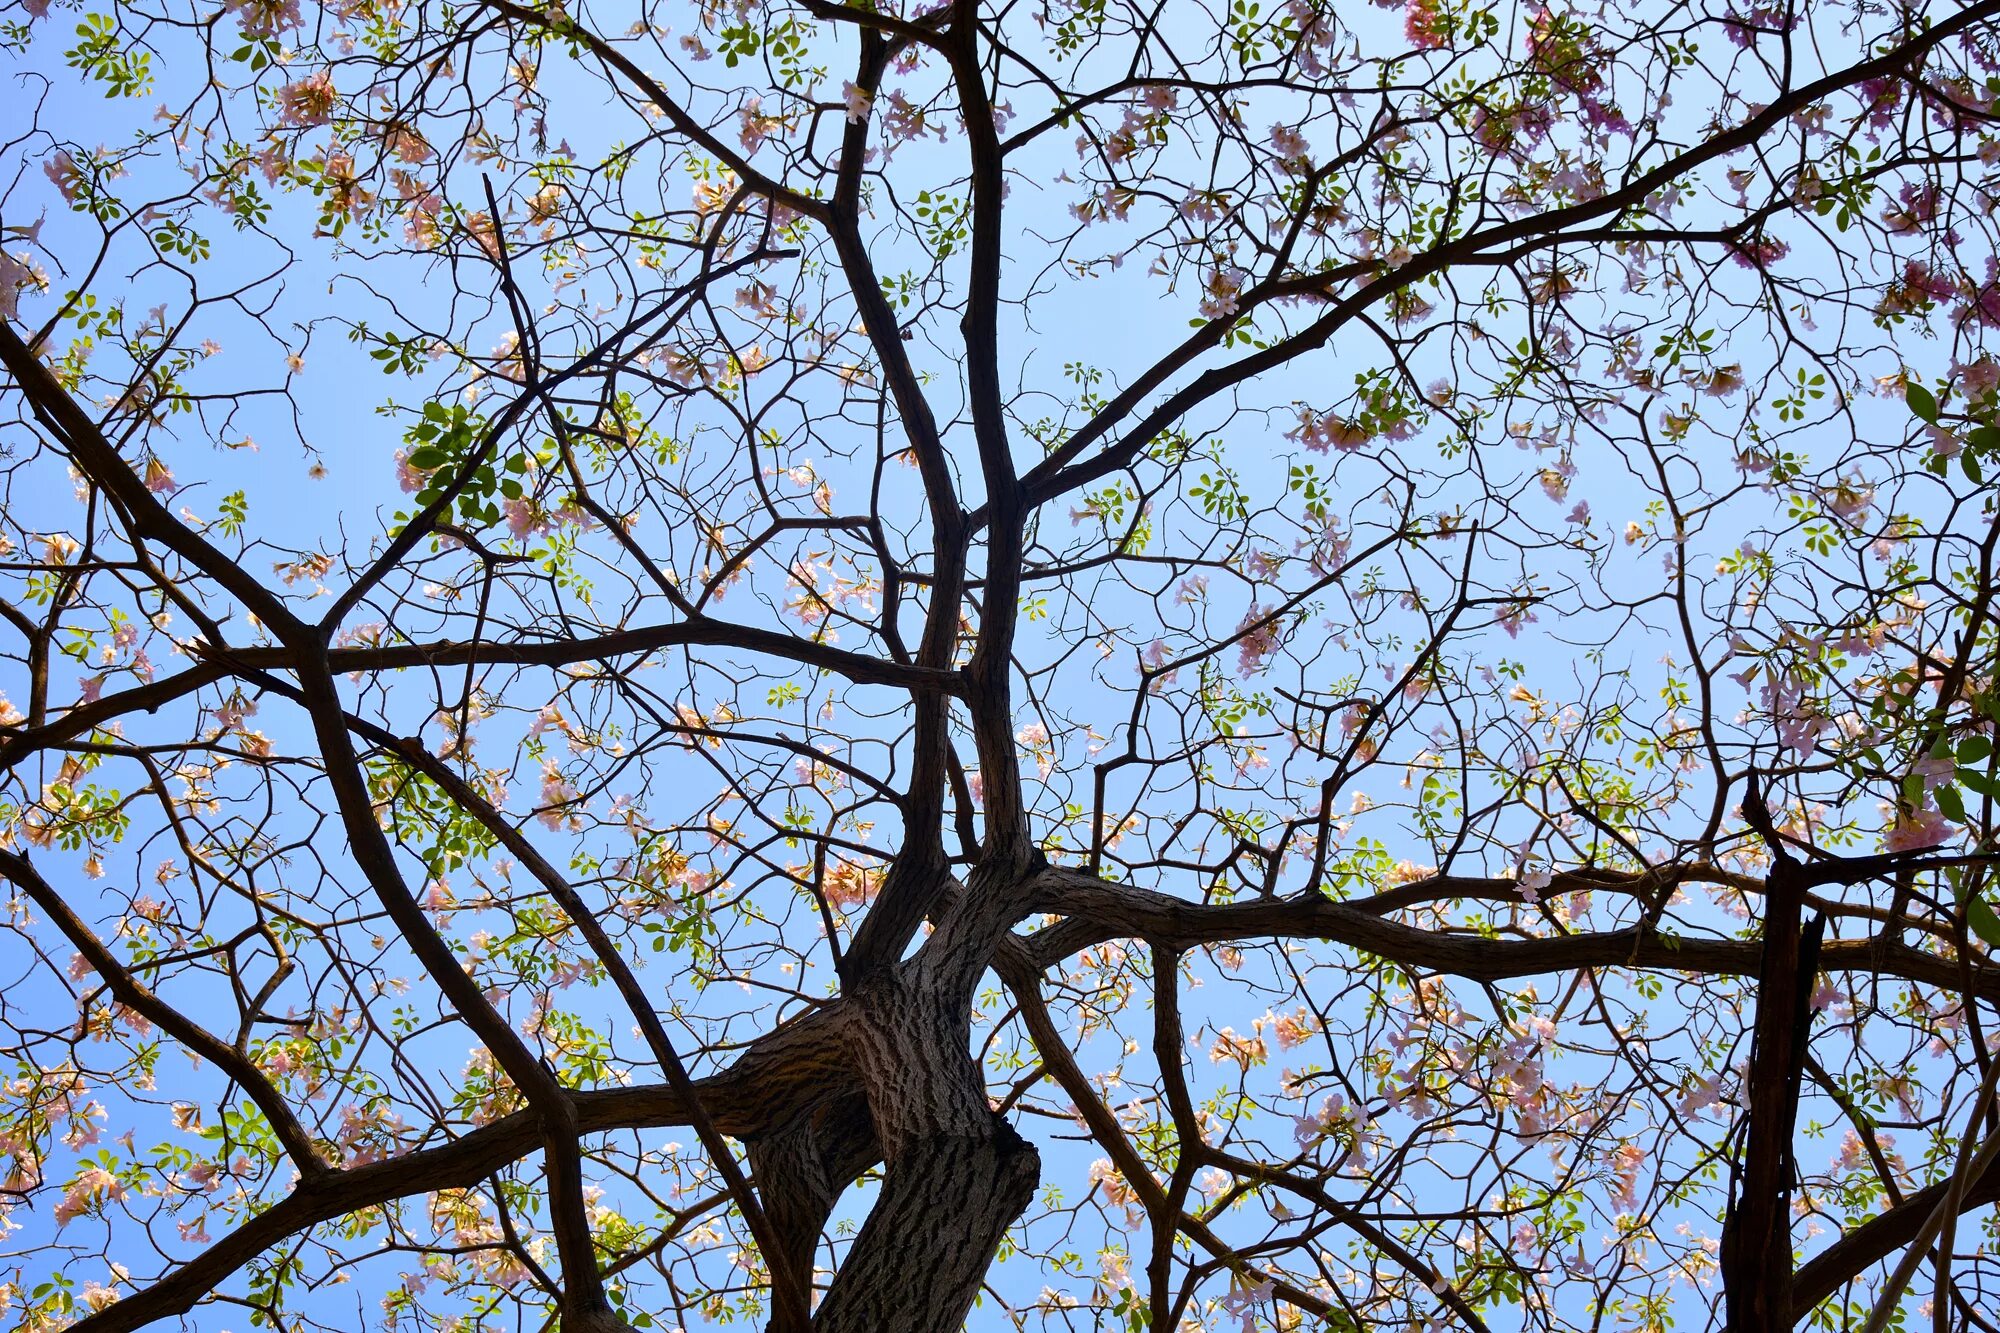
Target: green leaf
x,y
1983,922
1921,402
1979,782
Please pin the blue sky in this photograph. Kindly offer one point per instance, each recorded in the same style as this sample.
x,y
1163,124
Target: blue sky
x,y
1117,320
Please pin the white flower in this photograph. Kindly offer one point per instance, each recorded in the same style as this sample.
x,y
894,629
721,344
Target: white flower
x,y
1533,883
859,102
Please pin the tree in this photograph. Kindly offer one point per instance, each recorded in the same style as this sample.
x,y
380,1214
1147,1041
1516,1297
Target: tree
x,y
1154,666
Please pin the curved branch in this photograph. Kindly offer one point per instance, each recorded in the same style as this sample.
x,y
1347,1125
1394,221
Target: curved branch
x,y
1099,910
856,667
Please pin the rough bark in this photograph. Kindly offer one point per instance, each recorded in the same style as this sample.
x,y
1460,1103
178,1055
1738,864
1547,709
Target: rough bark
x,y
957,1174
918,1262
1756,1258
802,1168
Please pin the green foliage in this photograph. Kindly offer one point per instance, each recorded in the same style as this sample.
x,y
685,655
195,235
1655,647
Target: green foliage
x,y
104,56
441,831
443,445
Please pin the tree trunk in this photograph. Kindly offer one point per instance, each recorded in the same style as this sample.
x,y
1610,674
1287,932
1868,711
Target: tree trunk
x,y
1756,1258
918,1262
957,1176
802,1169
593,1319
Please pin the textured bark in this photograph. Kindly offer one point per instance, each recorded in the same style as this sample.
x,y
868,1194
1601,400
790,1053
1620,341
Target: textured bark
x,y
957,1175
926,1246
883,1072
596,1319
1756,1258
802,1169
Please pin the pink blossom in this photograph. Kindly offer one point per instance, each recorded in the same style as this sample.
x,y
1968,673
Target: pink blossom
x,y
572,512
1981,379
18,273
1744,23
265,18
409,478
1915,832
558,795
1935,769
1850,501
1705,1093
407,145
1222,287
551,716
480,227
1532,883
1758,252
1331,551
753,125
905,120
308,102
273,161
1319,433
1201,206
1625,1164
65,175
1259,631
1512,616
1555,480
1244,1300
1289,144
523,521
1426,24
159,478
92,1185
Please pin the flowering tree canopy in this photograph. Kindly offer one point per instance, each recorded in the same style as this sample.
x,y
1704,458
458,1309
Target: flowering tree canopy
x,y
1069,664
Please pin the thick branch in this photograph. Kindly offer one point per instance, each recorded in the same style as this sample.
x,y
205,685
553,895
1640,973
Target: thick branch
x,y
1099,910
777,1081
1878,1238
857,667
